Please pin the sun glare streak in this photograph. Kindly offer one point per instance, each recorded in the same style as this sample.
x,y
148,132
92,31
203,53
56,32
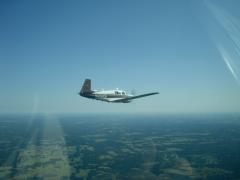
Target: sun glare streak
x,y
227,60
35,103
46,151
230,52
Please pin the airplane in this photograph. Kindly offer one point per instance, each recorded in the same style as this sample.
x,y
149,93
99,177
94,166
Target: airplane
x,y
116,96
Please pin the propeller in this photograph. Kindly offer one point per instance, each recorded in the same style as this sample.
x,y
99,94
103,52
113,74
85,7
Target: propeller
x,y
133,92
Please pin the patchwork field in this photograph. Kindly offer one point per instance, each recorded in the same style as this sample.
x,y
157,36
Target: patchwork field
x,y
120,147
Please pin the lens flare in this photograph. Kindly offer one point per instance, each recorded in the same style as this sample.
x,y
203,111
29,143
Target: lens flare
x,y
228,48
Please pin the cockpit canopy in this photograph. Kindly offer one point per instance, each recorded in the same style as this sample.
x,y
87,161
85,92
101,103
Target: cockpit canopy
x,y
117,92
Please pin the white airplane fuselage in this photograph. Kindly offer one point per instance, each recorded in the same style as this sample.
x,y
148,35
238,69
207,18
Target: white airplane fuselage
x,y
111,95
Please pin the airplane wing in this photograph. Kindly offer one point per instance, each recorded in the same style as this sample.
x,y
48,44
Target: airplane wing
x,y
134,97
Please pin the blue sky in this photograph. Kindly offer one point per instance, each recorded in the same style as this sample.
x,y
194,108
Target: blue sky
x,y
189,51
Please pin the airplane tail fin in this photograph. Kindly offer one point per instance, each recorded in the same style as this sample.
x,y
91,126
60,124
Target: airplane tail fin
x,y
86,86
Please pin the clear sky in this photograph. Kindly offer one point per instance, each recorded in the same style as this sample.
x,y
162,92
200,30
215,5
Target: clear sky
x,y
187,50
